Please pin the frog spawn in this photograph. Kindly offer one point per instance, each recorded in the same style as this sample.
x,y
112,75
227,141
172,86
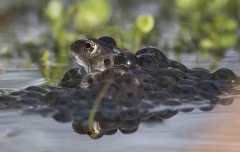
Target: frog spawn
x,y
149,80
130,88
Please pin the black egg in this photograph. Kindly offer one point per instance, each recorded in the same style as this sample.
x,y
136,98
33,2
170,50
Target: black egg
x,y
83,95
130,119
32,94
146,88
129,96
137,71
69,84
153,120
6,99
165,72
160,56
129,127
208,87
52,95
111,132
179,73
166,114
62,115
79,127
144,110
157,97
194,79
147,61
128,79
90,78
186,82
108,42
208,90
183,92
224,75
145,78
61,101
106,89
18,93
109,110
36,89
177,65
126,58
29,101
80,112
112,74
199,73
165,83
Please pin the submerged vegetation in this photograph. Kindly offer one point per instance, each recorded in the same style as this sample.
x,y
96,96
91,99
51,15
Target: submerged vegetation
x,y
201,27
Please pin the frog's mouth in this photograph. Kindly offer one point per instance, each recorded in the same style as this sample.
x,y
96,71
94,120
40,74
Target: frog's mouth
x,y
77,53
80,62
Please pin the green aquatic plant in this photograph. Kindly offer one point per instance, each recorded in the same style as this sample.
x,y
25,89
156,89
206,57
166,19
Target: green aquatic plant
x,y
91,14
66,24
58,18
206,27
89,19
143,25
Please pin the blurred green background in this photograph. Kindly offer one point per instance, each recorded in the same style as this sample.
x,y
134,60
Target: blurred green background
x,y
40,32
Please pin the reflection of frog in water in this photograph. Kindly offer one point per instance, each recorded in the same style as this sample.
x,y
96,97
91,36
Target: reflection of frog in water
x,y
120,89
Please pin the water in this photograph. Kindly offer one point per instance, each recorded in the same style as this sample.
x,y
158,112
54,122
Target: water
x,y
185,132
198,131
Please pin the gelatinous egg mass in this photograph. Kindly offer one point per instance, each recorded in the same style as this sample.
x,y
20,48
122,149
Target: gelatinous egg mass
x,y
114,89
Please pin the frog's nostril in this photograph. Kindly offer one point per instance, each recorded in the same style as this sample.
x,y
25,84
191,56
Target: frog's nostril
x,y
107,61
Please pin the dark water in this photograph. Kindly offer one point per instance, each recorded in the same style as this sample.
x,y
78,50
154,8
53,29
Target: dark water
x,y
217,130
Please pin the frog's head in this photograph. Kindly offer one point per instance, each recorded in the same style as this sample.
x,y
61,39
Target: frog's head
x,y
86,52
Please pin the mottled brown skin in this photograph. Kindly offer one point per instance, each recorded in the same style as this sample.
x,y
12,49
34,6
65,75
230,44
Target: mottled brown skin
x,y
104,62
92,54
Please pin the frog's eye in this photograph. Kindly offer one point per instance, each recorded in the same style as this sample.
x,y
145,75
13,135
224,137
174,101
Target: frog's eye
x,y
91,47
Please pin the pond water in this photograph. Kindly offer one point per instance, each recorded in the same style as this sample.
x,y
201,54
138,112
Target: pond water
x,y
217,130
